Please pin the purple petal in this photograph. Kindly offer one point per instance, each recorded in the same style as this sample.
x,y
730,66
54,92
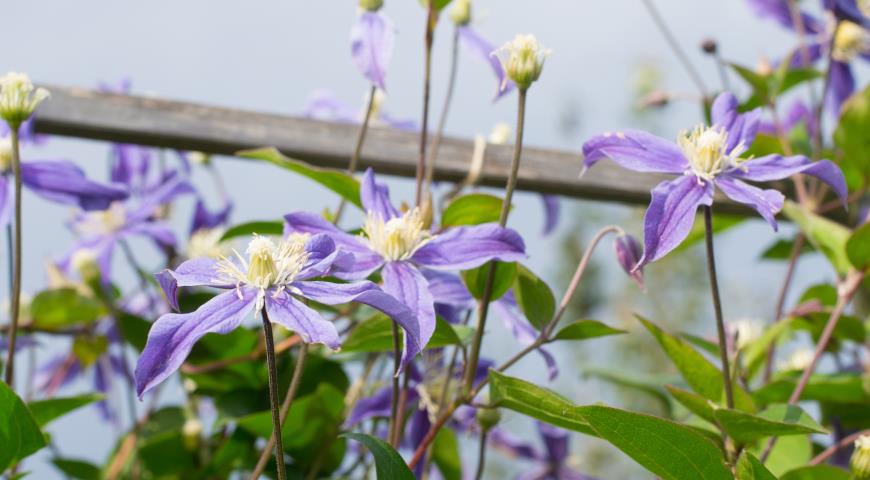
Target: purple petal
x,y
847,10
628,254
58,372
462,248
806,56
324,258
522,330
776,167
448,289
404,282
172,187
203,218
158,231
551,213
371,45
635,150
173,335
192,273
671,214
483,49
842,86
366,261
63,182
778,10
766,202
325,105
377,405
741,127
375,197
555,441
513,446
294,315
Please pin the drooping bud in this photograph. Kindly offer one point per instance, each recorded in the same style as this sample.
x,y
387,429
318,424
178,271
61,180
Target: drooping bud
x,y
860,462
628,253
709,46
523,60
191,433
460,13
371,5
19,98
488,418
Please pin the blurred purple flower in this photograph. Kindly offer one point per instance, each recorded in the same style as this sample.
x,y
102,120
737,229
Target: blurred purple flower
x,y
399,245
203,218
371,45
325,105
704,158
551,213
551,460
274,278
797,114
484,50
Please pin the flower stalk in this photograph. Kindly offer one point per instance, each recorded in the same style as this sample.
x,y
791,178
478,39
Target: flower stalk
x,y
16,264
273,396
357,151
717,307
431,19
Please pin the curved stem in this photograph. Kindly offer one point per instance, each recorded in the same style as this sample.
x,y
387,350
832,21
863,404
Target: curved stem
x,y
273,396
845,442
481,455
717,306
442,121
285,409
427,73
357,151
16,264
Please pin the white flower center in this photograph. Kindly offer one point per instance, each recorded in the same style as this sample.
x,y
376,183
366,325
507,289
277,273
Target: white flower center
x,y
206,242
704,147
102,222
397,238
523,59
850,41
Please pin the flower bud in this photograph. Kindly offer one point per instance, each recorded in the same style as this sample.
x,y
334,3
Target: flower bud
x,y
200,158
371,5
191,433
628,253
460,13
709,46
860,462
488,418
19,98
522,60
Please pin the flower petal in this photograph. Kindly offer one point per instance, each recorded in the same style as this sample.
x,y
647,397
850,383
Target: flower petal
x,y
555,441
173,185
483,49
196,272
461,248
64,182
404,282
842,86
448,289
522,330
551,213
371,45
203,218
294,315
158,231
671,214
365,262
325,105
173,335
635,150
779,11
741,127
776,167
375,197
766,202
324,258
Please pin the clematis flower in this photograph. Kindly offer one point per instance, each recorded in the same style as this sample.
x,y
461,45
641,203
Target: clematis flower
x,y
797,114
705,158
325,105
274,278
19,98
552,461
476,44
371,43
399,245
851,40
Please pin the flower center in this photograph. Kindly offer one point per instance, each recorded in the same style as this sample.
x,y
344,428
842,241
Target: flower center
x,y
397,238
103,222
206,242
850,41
704,147
268,265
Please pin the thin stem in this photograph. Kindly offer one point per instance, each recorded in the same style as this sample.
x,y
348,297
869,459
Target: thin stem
x,y
427,74
817,139
780,301
723,72
357,151
481,455
394,402
16,264
400,411
717,306
285,409
676,48
845,442
273,396
483,305
442,121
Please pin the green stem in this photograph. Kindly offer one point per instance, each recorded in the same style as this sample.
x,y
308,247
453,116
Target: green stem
x,y
357,151
16,264
481,455
717,306
394,403
273,396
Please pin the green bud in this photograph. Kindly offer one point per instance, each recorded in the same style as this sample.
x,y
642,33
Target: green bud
x,y
460,13
19,98
860,462
371,5
84,262
523,60
488,418
191,433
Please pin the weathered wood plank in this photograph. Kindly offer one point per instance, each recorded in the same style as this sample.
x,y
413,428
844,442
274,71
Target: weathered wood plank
x,y
187,126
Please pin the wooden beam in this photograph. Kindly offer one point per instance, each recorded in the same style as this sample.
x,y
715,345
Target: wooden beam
x,y
163,123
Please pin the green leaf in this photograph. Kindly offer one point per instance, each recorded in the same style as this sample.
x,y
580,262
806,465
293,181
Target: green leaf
x,y
263,227
534,297
695,403
586,329
665,448
788,453
472,209
62,307
852,139
834,388
388,463
749,468
134,330
78,469
777,420
826,235
781,250
475,279
755,353
817,472
339,182
536,402
44,411
445,454
757,81
19,433
858,247
376,335
650,384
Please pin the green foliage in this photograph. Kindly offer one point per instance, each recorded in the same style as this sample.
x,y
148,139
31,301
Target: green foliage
x,y
826,235
534,297
776,420
78,469
851,138
536,402
388,463
19,433
134,330
816,472
339,182
445,454
261,227
584,330
64,307
695,403
750,468
858,247
475,279
767,86
376,335
472,209
44,411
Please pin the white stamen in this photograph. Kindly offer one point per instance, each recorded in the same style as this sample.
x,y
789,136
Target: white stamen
x,y
102,222
398,238
704,147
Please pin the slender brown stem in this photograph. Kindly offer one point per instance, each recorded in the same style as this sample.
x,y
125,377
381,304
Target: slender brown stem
x,y
357,151
16,265
780,301
717,307
285,409
394,402
830,451
481,455
442,121
273,396
427,74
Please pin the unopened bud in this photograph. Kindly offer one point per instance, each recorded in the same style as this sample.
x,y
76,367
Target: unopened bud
x,y
488,418
628,254
860,462
460,13
523,59
371,5
191,433
709,46
19,98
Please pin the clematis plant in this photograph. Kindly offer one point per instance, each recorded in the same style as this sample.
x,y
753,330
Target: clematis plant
x,y
551,462
399,245
704,158
371,42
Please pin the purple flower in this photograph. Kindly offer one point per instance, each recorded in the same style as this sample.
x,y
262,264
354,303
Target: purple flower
x,y
551,213
399,245
484,50
551,461
371,45
325,105
797,114
704,158
274,278
628,254
203,218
